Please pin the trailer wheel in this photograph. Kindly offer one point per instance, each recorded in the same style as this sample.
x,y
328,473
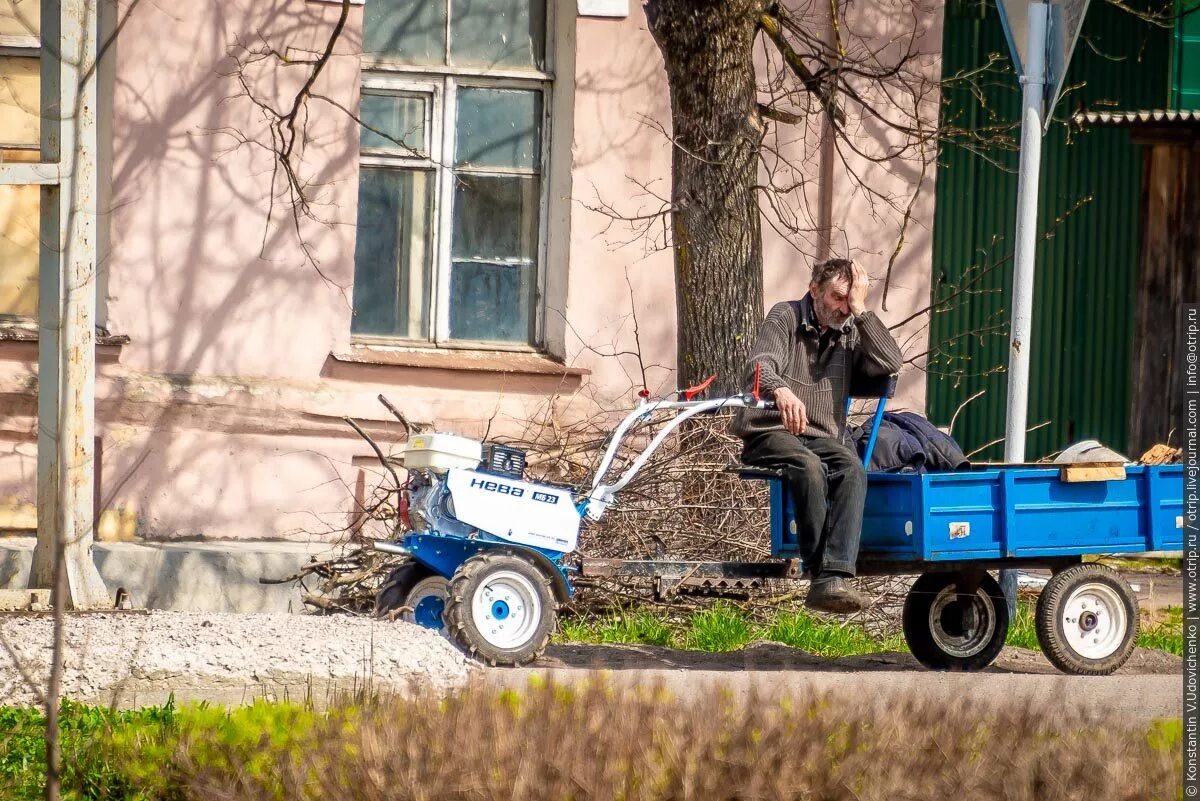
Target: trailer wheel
x,y
501,608
1087,620
950,627
418,593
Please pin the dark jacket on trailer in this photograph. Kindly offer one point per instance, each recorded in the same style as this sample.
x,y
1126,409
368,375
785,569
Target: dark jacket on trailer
x,y
907,441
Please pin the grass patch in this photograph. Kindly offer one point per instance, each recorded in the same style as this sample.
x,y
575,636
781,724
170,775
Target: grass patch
x,y
1138,564
589,742
721,627
1164,637
147,754
625,628
724,627
1022,632
804,631
1166,735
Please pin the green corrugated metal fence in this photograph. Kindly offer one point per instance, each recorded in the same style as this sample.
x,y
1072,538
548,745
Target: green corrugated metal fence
x,y
1185,57
1087,264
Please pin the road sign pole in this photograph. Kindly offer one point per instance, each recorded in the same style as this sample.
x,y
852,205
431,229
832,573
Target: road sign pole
x,y
1033,82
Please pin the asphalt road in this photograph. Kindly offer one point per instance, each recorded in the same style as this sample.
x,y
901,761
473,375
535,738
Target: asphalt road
x,y
1150,686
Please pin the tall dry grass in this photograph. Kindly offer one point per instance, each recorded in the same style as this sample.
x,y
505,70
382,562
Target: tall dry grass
x,y
599,742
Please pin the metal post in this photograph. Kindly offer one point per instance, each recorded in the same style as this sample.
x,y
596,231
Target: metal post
x,y
1033,84
67,306
1032,98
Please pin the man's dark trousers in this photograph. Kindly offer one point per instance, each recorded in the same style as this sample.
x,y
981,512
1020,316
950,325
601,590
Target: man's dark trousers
x,y
829,486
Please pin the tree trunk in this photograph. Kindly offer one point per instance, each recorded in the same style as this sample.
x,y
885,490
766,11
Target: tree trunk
x,y
707,48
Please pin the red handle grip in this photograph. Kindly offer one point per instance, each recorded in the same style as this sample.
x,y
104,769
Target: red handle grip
x,y
692,392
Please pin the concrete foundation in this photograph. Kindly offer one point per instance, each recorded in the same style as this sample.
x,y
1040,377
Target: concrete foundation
x,y
186,576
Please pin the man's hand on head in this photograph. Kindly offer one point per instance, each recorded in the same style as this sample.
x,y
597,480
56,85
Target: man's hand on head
x,y
857,298
791,408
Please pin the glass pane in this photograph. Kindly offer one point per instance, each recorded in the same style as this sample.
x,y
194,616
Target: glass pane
x,y
20,100
393,254
19,250
406,31
399,121
20,17
498,128
495,217
491,301
498,33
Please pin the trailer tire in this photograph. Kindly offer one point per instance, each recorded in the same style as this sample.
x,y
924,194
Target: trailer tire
x,y
496,589
944,633
1087,620
415,594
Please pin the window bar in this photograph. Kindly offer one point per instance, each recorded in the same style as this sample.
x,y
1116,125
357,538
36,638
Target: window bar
x,y
445,228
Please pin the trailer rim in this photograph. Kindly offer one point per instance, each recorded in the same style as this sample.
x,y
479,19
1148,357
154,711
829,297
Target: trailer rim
x,y
973,639
1094,620
1062,628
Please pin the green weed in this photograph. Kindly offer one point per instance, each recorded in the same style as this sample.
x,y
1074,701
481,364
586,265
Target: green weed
x,y
626,628
1166,734
1164,637
1022,630
721,627
804,631
724,627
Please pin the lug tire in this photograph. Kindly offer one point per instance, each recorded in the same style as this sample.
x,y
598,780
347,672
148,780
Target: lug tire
x,y
394,591
507,581
943,634
1087,620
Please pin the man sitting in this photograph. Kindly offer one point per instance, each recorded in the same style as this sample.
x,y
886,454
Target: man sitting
x,y
804,357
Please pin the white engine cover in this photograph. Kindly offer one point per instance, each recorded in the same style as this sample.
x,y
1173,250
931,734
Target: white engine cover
x,y
518,511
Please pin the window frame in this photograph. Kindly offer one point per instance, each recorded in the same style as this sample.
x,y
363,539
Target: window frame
x,y
381,76
30,47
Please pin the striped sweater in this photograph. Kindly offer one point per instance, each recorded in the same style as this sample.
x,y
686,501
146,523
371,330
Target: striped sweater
x,y
789,353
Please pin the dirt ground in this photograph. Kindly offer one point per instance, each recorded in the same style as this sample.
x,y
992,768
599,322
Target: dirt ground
x,y
769,656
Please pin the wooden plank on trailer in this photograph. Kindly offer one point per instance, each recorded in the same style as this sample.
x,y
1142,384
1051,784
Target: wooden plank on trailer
x,y
1078,473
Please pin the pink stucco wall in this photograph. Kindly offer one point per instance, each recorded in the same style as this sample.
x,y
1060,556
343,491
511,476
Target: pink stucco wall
x,y
221,417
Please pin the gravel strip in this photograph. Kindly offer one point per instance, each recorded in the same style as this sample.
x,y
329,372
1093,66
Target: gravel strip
x,y
119,657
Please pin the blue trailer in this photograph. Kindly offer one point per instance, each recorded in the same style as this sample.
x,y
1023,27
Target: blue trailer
x,y
491,556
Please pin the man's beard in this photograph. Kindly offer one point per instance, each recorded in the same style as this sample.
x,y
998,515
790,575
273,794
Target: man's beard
x,y
827,317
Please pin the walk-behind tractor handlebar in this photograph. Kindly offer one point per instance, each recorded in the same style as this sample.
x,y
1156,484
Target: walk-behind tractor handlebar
x,y
601,495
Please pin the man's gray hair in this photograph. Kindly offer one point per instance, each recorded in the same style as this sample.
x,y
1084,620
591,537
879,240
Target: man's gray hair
x,y
826,271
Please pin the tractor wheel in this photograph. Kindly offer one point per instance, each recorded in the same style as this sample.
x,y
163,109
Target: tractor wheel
x,y
949,626
1087,620
501,608
413,594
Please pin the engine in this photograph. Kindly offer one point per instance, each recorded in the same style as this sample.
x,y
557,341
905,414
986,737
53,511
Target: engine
x,y
464,503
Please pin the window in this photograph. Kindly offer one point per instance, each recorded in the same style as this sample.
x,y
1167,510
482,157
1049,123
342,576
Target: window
x,y
20,140
451,201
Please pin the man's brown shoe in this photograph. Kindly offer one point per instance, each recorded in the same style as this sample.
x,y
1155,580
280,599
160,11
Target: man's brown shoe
x,y
836,596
